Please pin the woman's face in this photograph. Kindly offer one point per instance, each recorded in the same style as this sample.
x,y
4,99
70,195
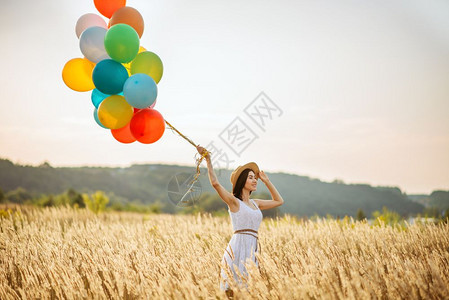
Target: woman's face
x,y
251,181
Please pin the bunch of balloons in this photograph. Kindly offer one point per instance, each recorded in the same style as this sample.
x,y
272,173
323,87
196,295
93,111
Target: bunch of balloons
x,y
121,74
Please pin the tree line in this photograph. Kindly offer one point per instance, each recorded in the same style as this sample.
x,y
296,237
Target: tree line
x,y
138,187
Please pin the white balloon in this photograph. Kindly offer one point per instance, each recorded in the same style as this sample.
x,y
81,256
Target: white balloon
x,y
92,44
89,20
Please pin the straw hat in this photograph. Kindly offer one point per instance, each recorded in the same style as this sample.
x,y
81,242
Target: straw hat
x,y
236,173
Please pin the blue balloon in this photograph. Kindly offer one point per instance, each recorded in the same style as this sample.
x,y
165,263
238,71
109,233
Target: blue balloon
x,y
140,90
97,119
92,44
109,76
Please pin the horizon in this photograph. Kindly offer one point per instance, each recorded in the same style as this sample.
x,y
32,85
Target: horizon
x,y
193,166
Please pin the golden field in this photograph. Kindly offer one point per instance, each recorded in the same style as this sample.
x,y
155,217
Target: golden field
x,y
75,254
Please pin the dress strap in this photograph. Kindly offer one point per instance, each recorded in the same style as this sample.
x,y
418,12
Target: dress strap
x,y
255,204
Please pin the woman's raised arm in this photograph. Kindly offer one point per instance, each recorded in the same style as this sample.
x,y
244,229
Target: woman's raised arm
x,y
226,196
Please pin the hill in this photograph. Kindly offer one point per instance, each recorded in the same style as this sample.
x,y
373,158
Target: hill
x,y
438,199
147,184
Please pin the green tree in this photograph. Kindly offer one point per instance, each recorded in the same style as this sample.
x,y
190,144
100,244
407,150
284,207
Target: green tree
x,y
47,201
439,199
75,198
360,215
210,202
432,212
156,208
96,202
2,196
19,195
388,217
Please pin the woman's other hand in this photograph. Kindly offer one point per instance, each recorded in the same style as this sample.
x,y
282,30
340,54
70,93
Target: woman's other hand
x,y
263,177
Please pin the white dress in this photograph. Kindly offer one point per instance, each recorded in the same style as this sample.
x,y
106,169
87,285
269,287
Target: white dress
x,y
243,243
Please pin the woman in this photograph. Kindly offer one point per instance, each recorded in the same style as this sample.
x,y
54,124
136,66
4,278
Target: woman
x,y
245,215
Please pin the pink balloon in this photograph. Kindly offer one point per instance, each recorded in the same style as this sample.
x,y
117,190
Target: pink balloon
x,y
139,109
89,20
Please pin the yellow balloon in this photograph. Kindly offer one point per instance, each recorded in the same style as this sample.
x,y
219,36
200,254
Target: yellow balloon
x,y
148,63
77,74
128,65
114,112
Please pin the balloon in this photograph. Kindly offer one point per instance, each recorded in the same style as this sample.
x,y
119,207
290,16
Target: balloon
x,y
77,74
147,126
97,119
97,97
92,44
114,112
109,76
123,135
108,7
140,90
89,20
128,65
151,106
122,43
148,63
130,16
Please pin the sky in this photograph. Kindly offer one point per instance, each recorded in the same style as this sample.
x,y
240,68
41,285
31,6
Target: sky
x,y
358,90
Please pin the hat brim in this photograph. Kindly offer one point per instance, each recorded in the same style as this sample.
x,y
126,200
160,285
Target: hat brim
x,y
236,173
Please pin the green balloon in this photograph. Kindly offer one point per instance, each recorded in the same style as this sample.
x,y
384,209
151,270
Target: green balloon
x,y
122,43
148,63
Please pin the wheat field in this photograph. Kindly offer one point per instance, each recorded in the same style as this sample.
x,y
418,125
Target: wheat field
x,y
75,254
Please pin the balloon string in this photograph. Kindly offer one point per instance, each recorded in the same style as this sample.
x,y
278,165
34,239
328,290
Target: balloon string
x,y
198,160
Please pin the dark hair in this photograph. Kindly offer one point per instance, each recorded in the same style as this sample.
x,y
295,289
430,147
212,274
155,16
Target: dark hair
x,y
240,183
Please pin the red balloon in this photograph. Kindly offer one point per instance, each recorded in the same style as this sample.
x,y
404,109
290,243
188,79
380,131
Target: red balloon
x,y
108,7
147,126
123,135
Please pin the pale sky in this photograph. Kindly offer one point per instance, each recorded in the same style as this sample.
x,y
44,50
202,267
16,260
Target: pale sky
x,y
363,86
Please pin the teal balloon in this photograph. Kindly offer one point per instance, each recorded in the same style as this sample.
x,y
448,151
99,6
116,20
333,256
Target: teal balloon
x,y
140,90
97,119
122,43
109,77
97,97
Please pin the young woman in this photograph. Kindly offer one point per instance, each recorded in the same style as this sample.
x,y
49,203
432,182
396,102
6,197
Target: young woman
x,y
245,213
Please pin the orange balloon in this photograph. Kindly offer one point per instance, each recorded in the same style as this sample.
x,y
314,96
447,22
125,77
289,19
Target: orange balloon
x,y
130,16
108,7
147,125
123,135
